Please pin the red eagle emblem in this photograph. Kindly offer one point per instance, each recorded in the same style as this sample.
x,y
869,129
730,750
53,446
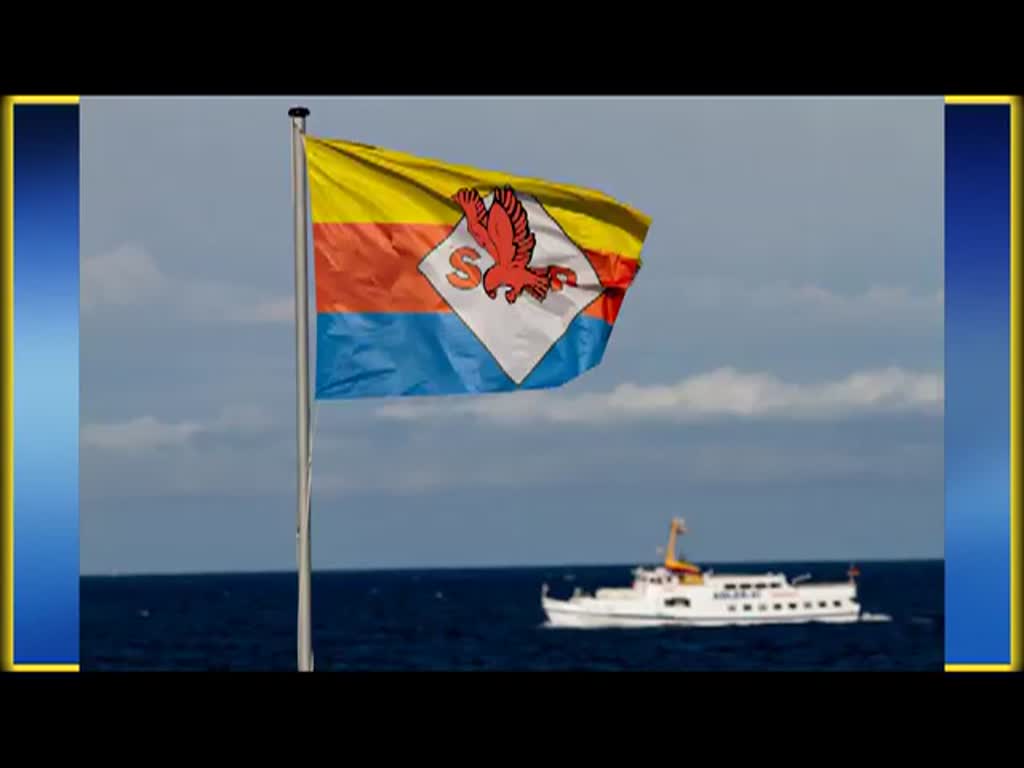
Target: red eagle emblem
x,y
504,232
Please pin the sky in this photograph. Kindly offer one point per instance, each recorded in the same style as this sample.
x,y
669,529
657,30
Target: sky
x,y
775,376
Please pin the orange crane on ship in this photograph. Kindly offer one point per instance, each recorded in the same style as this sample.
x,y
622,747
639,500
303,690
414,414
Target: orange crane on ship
x,y
688,572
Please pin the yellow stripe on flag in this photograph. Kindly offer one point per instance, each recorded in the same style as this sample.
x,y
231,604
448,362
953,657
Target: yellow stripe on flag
x,y
357,183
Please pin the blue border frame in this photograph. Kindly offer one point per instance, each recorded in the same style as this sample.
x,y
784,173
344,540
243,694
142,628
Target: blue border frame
x,y
41,370
982,251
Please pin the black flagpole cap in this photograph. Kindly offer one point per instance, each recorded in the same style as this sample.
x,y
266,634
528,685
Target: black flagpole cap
x,y
298,112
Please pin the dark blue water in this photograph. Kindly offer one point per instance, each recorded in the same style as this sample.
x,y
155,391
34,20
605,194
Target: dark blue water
x,y
482,620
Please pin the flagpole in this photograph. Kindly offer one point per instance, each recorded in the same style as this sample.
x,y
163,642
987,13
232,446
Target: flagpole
x,y
299,199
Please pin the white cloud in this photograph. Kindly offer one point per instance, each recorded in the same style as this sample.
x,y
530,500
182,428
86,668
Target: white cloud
x,y
341,465
249,451
270,311
141,434
716,463
129,276
878,301
147,433
878,304
722,393
126,276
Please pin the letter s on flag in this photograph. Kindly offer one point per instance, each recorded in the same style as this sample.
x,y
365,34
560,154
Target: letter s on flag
x,y
465,276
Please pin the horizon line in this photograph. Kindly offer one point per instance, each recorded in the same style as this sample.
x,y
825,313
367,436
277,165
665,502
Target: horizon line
x,y
522,567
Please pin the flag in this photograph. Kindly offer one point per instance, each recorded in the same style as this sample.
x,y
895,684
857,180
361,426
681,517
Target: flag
x,y
437,279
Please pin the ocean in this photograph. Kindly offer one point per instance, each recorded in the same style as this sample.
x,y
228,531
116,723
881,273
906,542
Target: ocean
x,y
484,619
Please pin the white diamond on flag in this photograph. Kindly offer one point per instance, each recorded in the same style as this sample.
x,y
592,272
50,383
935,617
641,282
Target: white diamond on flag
x,y
518,334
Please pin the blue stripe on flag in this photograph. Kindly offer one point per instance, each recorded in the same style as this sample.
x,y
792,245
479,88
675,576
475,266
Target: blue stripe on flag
x,y
398,355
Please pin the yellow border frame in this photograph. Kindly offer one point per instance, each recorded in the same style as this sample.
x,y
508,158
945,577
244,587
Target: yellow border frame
x,y
7,338
7,400
1016,156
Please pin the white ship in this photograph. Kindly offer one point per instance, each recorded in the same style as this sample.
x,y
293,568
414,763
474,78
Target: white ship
x,y
680,593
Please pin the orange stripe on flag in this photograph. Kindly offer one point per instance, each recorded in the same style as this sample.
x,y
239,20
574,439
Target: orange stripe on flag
x,y
375,268
616,275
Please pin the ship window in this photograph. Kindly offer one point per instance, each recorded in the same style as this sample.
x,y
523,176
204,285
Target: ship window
x,y
778,607
730,586
746,607
837,603
683,601
732,608
761,586
792,606
823,604
744,586
808,605
776,585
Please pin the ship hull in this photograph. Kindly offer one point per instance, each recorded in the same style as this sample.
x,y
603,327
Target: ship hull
x,y
564,614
